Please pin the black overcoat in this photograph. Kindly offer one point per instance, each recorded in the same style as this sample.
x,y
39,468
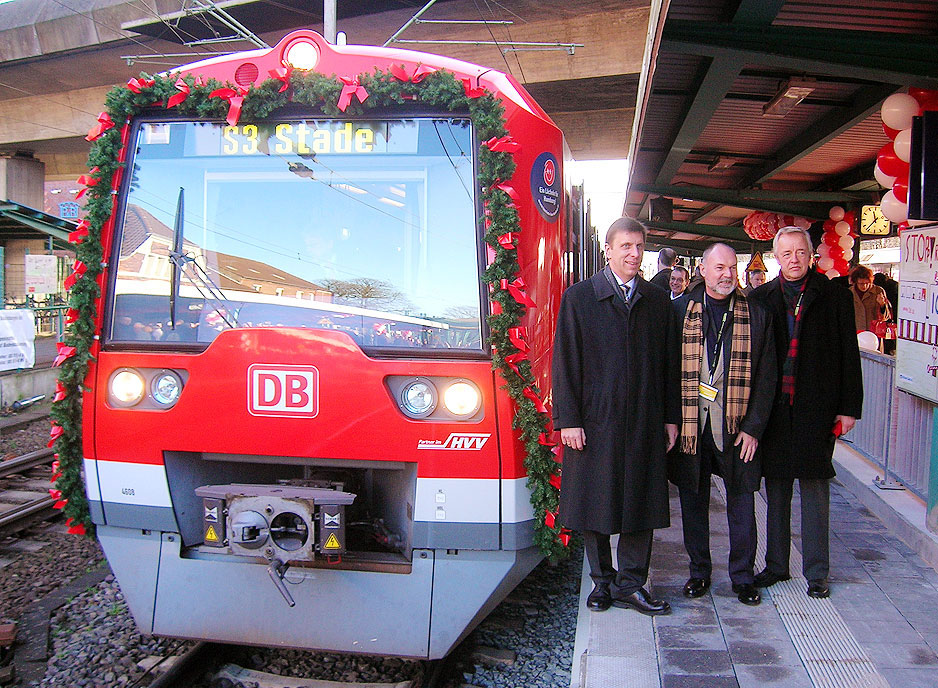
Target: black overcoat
x,y
739,477
615,374
798,441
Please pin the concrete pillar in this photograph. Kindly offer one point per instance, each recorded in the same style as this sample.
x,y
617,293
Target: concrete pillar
x,y
21,180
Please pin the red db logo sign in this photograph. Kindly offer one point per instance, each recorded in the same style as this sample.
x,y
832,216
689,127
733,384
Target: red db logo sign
x,y
283,390
549,172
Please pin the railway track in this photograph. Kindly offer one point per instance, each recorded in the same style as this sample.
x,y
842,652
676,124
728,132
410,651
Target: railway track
x,y
24,491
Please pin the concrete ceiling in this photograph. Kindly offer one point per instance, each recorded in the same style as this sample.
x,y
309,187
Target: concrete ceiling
x,y
58,65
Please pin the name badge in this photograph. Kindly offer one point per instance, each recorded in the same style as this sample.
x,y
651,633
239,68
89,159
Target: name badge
x,y
708,392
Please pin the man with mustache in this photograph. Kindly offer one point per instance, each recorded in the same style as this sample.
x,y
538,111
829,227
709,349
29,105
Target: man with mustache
x,y
727,389
616,402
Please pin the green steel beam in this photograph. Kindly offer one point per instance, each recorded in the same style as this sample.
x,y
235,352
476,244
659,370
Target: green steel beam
x,y
758,11
715,83
812,210
715,231
899,59
866,101
697,247
729,196
38,225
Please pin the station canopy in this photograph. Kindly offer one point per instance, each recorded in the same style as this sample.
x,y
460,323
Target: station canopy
x,y
767,105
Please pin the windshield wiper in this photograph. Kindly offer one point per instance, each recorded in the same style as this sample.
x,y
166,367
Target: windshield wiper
x,y
208,289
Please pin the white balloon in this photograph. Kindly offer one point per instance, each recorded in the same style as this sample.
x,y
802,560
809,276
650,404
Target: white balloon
x,y
836,213
842,228
845,242
832,274
823,250
894,209
825,263
868,340
848,254
883,179
898,110
903,145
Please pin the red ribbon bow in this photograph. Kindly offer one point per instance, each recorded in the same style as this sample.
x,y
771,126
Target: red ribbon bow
x,y
282,74
471,91
180,97
235,101
87,180
550,518
65,352
555,480
564,537
79,269
77,529
414,76
104,123
79,233
517,335
505,144
507,241
71,315
516,289
55,494
508,189
54,434
545,441
60,391
536,400
137,85
350,87
514,359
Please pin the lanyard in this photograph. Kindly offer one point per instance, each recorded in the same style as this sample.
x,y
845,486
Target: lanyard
x,y
793,311
714,357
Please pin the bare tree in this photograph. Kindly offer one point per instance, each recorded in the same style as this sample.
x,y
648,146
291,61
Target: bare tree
x,y
367,293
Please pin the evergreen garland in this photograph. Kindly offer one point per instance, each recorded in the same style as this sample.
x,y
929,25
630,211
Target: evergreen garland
x,y
393,89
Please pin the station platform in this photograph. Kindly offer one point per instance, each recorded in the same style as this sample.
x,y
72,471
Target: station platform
x,y
879,627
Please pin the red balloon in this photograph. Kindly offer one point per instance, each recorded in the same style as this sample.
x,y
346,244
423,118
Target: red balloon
x,y
841,266
920,94
829,225
890,163
850,217
836,251
902,227
900,188
830,238
927,98
930,104
890,132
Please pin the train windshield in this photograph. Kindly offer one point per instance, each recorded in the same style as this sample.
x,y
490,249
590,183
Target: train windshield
x,y
366,227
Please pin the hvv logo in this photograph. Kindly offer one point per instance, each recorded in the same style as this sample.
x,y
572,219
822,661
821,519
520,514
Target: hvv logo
x,y
283,390
457,441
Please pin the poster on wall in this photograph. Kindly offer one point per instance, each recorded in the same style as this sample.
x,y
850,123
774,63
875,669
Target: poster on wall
x,y
917,347
17,336
42,274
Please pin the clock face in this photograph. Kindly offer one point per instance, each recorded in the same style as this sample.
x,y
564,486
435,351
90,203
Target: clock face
x,y
873,222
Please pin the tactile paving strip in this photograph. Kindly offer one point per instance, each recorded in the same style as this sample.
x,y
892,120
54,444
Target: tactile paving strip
x,y
831,655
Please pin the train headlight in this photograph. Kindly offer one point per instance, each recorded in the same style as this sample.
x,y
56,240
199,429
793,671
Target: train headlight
x,y
166,387
301,54
462,398
127,387
418,398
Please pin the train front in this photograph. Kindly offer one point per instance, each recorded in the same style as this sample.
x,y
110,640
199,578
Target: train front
x,y
294,435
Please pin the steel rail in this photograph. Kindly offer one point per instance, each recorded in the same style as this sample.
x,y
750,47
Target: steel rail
x,y
21,463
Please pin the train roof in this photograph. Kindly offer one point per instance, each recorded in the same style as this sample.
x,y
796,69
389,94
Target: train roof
x,y
254,66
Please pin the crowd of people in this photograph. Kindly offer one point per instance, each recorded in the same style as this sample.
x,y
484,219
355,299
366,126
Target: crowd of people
x,y
679,380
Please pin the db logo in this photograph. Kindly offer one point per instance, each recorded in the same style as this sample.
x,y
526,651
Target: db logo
x,y
549,172
283,390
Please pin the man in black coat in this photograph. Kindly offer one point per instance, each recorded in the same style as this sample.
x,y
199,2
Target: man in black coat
x,y
667,257
727,389
819,396
616,401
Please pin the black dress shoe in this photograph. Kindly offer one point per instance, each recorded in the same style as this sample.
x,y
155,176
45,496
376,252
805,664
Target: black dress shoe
x,y
696,587
819,589
600,599
642,602
765,578
747,593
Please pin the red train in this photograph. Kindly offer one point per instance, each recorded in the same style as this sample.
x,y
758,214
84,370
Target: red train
x,y
293,434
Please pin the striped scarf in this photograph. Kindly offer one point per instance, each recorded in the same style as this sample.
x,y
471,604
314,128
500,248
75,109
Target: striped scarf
x,y
795,310
738,373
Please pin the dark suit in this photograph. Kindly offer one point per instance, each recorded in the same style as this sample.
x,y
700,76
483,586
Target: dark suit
x,y
691,472
662,279
616,375
798,442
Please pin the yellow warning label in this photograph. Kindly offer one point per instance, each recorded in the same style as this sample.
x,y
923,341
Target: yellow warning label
x,y
332,542
211,535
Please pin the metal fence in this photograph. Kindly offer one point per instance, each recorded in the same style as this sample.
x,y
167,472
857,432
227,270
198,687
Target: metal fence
x,y
895,431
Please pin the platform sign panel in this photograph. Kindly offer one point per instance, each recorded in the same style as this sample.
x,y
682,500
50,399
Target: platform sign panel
x,y
17,335
917,347
42,274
